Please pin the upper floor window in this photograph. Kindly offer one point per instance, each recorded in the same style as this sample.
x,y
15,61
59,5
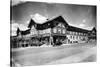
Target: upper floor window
x,y
60,25
63,31
75,33
63,26
70,32
81,33
59,30
55,30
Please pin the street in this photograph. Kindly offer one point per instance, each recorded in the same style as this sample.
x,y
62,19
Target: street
x,y
55,55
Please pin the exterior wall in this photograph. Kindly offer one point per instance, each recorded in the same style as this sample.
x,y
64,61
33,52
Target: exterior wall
x,y
46,31
76,37
92,36
59,30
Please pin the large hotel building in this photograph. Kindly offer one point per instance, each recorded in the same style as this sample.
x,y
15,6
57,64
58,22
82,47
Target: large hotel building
x,y
53,32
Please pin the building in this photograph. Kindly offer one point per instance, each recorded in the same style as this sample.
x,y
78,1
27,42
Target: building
x,y
53,32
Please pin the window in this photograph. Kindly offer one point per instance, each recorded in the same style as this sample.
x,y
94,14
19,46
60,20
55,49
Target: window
x,y
55,30
84,34
59,30
48,24
75,33
63,31
59,25
81,33
70,32
63,26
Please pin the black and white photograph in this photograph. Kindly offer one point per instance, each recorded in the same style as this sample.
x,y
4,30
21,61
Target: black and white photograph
x,y
43,33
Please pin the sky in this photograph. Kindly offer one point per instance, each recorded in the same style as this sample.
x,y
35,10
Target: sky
x,y
82,16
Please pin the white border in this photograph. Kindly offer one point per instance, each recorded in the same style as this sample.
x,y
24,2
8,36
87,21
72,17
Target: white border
x,y
92,2
5,31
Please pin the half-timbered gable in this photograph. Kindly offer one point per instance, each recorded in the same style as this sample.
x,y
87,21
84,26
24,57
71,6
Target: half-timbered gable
x,y
59,29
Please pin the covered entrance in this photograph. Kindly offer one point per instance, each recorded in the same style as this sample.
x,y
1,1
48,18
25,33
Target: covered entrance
x,y
58,40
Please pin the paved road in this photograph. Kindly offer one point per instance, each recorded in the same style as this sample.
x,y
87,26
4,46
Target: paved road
x,y
55,55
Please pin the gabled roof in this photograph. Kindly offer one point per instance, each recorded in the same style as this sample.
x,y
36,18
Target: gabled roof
x,y
23,32
17,32
94,29
32,22
60,19
53,23
48,24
